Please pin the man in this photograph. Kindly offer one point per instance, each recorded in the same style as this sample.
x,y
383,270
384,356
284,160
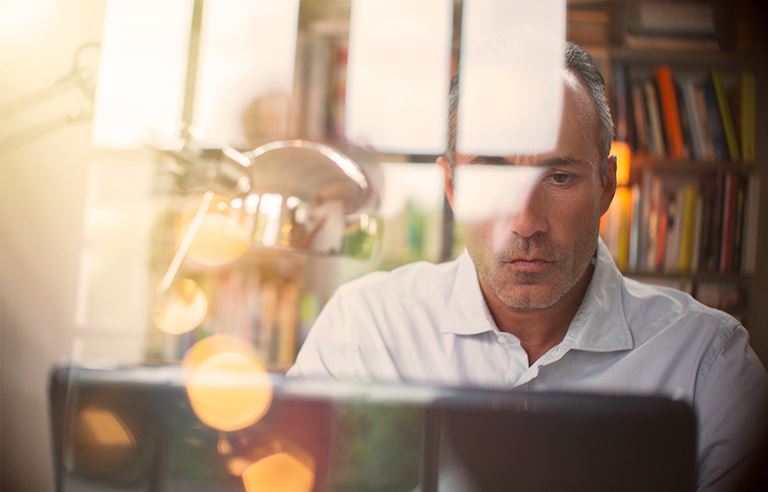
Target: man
x,y
537,303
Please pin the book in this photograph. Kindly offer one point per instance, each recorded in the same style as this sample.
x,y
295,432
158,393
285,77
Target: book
x,y
730,204
696,120
670,112
711,196
738,238
639,117
698,229
635,230
751,225
715,122
656,140
703,123
674,230
687,227
662,234
620,97
748,104
725,115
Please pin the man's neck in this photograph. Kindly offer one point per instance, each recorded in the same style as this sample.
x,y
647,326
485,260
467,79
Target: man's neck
x,y
538,329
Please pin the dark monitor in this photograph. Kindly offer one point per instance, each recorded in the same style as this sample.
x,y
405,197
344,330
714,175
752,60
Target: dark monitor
x,y
133,429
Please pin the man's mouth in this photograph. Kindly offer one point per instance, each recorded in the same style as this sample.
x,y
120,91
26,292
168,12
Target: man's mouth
x,y
528,264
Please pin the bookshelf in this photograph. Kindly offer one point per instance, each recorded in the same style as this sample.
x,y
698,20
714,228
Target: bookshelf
x,y
733,277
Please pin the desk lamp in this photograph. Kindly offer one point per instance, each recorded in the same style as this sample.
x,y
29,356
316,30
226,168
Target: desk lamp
x,y
293,195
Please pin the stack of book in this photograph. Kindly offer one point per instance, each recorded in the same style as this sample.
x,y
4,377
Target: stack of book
x,y
588,24
705,116
665,25
675,224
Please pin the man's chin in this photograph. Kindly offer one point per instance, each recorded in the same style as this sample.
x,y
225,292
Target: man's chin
x,y
529,298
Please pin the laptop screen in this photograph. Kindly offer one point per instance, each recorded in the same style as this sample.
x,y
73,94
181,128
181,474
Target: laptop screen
x,y
134,429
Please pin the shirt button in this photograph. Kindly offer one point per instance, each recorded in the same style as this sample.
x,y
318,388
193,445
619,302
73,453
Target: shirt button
x,y
501,339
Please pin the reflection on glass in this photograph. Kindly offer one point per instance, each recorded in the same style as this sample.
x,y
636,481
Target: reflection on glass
x,y
384,84
222,236
511,86
491,191
105,429
103,443
227,386
181,308
280,472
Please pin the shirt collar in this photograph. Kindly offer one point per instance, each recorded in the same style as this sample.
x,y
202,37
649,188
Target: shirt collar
x,y
599,325
466,313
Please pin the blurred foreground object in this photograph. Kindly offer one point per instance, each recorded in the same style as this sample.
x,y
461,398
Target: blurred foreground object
x,y
331,435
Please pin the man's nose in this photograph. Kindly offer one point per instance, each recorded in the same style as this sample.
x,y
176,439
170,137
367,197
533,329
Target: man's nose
x,y
530,219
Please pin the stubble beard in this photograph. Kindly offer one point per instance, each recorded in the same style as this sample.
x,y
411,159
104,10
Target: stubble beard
x,y
570,265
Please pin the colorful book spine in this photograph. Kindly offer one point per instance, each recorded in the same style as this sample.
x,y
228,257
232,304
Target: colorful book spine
x,y
687,228
670,112
725,114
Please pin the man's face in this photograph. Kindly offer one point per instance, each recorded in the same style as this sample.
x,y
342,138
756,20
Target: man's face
x,y
531,259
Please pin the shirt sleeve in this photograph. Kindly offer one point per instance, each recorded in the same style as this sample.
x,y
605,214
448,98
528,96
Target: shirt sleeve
x,y
327,351
731,403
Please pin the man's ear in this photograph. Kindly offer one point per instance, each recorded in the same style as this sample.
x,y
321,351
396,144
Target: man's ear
x,y
448,178
609,185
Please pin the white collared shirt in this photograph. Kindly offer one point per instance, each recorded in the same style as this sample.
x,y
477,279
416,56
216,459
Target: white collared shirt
x,y
429,323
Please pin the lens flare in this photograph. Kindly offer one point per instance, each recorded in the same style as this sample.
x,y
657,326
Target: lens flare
x,y
181,308
228,388
223,234
280,472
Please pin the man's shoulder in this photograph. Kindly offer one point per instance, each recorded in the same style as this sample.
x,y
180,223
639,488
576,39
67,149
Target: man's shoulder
x,y
655,306
414,281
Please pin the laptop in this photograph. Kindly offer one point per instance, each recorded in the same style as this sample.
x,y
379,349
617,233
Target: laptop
x,y
134,429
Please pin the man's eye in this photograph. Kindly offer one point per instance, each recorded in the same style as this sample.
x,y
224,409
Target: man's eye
x,y
561,178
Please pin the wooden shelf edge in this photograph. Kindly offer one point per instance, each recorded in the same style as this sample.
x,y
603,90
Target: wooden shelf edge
x,y
693,276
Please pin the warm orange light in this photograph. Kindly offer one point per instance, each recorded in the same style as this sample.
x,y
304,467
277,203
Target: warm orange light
x,y
237,466
280,472
223,234
181,308
105,429
223,446
228,388
623,161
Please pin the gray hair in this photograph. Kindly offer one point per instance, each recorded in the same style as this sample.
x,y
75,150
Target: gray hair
x,y
581,64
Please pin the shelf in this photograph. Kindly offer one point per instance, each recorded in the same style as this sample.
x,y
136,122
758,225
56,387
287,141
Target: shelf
x,y
702,59
693,276
667,165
